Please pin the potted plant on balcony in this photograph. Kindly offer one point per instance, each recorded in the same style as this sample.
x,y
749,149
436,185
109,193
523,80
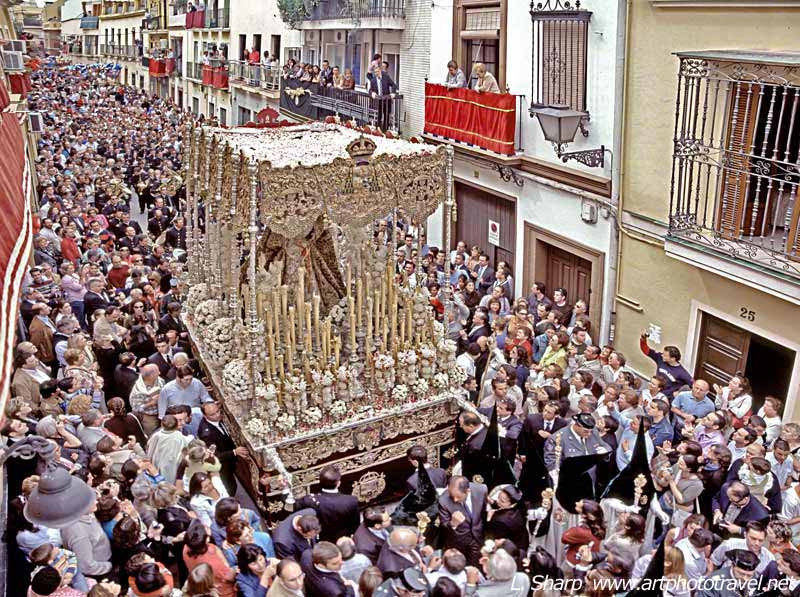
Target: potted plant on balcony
x,y
293,11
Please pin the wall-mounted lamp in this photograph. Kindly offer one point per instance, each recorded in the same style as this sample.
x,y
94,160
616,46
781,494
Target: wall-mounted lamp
x,y
559,125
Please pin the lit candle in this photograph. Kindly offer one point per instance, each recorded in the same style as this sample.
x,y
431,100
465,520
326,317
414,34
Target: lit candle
x,y
409,322
268,314
352,306
349,277
290,333
271,344
280,367
317,331
369,323
359,301
300,299
402,331
287,336
260,304
308,329
337,346
376,318
276,309
393,326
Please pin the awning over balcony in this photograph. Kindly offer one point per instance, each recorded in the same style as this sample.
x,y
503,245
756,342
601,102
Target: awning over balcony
x,y
16,233
486,120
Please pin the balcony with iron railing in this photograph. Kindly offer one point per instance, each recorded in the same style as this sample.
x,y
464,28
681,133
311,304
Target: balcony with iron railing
x,y
329,14
309,101
31,21
255,76
734,204
210,18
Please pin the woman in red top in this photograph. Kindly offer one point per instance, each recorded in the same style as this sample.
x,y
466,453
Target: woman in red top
x,y
198,550
591,531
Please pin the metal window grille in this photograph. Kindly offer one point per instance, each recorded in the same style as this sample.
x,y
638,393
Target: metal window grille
x,y
560,44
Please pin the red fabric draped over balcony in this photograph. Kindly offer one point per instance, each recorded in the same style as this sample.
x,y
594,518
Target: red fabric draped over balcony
x,y
16,234
196,19
170,65
219,77
20,83
157,68
487,120
208,75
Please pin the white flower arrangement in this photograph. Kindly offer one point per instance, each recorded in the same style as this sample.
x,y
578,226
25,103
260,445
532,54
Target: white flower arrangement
x,y
322,378
457,376
384,362
267,400
294,385
447,346
285,422
257,428
197,294
235,379
338,409
338,312
343,374
420,387
400,393
206,313
407,357
441,381
428,352
219,341
312,415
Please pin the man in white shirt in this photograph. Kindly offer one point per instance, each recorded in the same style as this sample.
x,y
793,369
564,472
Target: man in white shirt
x,y
696,549
466,360
740,439
790,514
753,541
781,459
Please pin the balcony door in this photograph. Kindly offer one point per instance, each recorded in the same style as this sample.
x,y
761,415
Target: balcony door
x,y
478,209
725,349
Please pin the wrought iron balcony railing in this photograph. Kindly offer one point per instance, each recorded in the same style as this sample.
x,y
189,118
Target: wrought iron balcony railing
x,y
255,75
736,157
355,10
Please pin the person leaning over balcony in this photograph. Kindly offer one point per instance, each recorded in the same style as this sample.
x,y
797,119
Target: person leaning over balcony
x,y
348,81
455,76
337,79
484,80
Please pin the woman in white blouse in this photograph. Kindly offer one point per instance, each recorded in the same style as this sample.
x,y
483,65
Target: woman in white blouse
x,y
204,496
736,399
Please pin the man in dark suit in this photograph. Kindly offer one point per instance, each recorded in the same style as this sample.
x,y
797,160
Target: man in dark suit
x,y
509,427
417,454
535,431
483,274
734,507
125,376
382,90
162,358
470,451
321,566
176,235
371,534
158,224
95,298
462,509
399,552
213,431
296,534
480,327
337,512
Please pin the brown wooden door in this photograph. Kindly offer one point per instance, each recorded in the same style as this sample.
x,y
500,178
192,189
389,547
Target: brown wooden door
x,y
567,270
475,208
722,351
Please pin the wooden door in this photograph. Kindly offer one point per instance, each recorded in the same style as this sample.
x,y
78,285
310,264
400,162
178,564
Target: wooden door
x,y
475,208
722,351
569,271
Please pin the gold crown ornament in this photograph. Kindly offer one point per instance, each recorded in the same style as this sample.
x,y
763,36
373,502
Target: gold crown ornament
x,y
361,150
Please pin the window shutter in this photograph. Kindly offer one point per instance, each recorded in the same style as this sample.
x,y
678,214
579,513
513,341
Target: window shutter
x,y
736,165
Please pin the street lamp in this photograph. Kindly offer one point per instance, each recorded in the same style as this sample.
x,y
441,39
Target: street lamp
x,y
559,125
59,499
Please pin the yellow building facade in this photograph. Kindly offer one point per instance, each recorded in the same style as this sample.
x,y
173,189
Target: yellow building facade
x,y
709,201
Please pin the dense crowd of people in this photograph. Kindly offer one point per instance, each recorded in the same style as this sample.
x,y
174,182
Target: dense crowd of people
x,y
569,467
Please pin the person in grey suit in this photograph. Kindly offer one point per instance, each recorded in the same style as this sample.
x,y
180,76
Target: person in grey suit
x,y
91,430
462,510
579,438
501,578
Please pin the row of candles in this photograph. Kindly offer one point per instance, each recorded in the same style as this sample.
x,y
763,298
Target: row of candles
x,y
295,327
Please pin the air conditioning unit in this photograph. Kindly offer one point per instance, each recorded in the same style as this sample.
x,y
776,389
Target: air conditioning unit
x,y
36,122
13,61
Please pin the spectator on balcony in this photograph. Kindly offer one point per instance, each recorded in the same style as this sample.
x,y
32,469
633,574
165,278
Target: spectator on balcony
x,y
337,79
326,74
307,75
348,80
374,66
484,81
315,74
191,7
383,89
205,59
455,76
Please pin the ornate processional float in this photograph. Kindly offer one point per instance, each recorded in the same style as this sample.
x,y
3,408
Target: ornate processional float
x,y
318,352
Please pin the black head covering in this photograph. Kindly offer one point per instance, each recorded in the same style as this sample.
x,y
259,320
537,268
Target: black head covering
x,y
743,558
622,486
493,468
585,420
648,586
574,481
423,499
